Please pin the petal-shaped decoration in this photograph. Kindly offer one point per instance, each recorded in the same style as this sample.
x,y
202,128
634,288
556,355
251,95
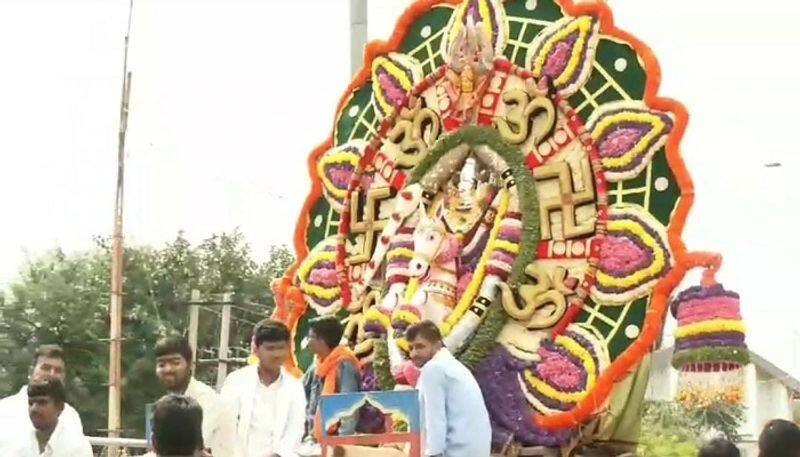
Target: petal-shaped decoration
x,y
318,280
567,371
634,255
393,77
490,13
564,52
336,167
505,398
627,134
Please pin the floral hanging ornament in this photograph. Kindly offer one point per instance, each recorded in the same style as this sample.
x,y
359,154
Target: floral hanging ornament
x,y
710,351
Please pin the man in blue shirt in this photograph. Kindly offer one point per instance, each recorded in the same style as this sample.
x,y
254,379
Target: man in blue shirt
x,y
455,422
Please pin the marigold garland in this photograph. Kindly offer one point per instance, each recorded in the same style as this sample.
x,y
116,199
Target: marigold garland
x,y
684,260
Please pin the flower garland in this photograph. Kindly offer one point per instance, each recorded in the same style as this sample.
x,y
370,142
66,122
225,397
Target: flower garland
x,y
634,255
485,338
627,135
505,398
335,169
710,327
478,276
318,280
568,369
711,355
381,365
563,53
528,201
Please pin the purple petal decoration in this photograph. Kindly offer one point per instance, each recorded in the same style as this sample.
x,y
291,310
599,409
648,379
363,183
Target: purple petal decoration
x,y
508,408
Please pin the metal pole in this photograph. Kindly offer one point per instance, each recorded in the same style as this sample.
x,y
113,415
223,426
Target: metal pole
x,y
224,336
115,308
194,322
358,34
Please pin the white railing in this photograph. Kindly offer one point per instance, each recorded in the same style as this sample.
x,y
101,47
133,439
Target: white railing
x,y
125,446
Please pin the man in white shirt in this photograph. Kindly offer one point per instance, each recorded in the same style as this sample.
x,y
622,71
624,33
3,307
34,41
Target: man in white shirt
x,y
47,363
48,437
174,371
268,402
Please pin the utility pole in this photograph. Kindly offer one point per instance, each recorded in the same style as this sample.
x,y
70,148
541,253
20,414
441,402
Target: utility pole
x,y
224,340
358,34
115,308
194,323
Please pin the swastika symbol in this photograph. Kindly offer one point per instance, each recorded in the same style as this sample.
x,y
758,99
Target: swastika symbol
x,y
366,220
567,201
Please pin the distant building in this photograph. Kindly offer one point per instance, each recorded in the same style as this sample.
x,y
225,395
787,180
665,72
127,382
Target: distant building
x,y
769,393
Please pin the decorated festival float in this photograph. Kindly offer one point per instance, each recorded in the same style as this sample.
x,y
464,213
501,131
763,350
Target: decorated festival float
x,y
508,170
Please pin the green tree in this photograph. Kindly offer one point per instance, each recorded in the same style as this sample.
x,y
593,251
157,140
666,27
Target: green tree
x,y
667,431
63,298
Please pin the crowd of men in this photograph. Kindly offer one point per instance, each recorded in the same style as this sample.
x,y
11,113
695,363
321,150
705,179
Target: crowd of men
x,y
265,411
262,410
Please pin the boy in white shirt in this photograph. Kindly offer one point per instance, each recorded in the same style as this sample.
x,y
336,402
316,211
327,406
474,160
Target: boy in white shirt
x,y
268,402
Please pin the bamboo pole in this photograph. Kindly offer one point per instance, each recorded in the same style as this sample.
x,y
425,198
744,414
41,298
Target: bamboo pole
x,y
115,308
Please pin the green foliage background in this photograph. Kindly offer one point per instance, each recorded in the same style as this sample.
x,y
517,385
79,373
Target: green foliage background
x,y
671,430
63,298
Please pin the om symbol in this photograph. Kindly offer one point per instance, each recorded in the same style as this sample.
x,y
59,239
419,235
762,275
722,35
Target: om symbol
x,y
414,133
515,127
540,305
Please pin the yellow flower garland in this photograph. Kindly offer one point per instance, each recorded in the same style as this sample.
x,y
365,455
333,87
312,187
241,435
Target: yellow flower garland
x,y
474,285
413,285
657,128
584,26
640,276
405,316
714,326
400,252
507,246
325,293
336,158
588,363
373,314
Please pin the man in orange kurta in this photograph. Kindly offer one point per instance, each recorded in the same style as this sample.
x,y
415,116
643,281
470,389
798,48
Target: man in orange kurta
x,y
335,370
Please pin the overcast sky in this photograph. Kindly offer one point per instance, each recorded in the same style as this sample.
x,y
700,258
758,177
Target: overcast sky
x,y
229,96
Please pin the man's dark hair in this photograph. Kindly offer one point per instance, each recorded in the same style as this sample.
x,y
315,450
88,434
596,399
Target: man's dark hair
x,y
425,329
50,387
780,438
52,351
329,330
719,447
177,426
271,331
174,345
